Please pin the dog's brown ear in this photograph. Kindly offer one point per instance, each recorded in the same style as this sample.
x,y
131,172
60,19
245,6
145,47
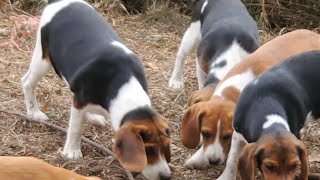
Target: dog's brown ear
x,y
301,148
129,148
247,163
190,126
201,95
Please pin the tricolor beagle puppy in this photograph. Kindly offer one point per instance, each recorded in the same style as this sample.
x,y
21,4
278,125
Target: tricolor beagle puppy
x,y
224,33
211,121
269,115
104,77
30,168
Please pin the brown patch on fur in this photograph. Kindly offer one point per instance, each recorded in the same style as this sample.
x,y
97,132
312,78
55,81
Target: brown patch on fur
x,y
201,95
275,51
277,156
30,168
203,118
231,93
139,142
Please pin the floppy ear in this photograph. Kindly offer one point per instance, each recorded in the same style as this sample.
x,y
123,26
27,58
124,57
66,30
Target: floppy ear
x,y
190,126
129,149
247,164
301,148
200,95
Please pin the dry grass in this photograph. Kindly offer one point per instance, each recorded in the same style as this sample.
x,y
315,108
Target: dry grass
x,y
155,40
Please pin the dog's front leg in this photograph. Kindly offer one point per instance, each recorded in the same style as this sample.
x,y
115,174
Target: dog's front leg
x,y
72,147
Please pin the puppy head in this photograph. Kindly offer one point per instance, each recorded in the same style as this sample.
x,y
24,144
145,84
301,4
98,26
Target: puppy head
x,y
211,120
276,156
201,95
144,145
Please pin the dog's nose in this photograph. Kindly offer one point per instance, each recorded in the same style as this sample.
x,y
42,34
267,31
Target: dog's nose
x,y
165,177
214,161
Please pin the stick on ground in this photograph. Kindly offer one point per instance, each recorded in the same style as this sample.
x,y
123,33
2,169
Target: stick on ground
x,y
64,130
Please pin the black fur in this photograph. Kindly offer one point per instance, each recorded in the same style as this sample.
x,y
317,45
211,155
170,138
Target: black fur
x,y
138,114
289,89
78,40
222,22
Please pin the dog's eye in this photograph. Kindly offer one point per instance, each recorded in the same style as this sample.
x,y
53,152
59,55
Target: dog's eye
x,y
227,136
150,151
293,167
270,167
206,135
167,131
145,137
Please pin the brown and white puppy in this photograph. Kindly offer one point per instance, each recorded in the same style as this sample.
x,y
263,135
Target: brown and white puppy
x,y
106,78
212,120
30,168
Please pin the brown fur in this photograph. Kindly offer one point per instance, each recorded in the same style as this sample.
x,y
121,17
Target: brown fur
x,y
201,95
278,157
30,168
139,142
221,108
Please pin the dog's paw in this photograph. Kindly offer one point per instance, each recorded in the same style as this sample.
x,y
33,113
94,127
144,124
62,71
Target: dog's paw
x,y
95,119
38,115
176,83
191,164
72,153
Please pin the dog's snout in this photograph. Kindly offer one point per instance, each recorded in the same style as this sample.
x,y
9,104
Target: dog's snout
x,y
165,177
214,161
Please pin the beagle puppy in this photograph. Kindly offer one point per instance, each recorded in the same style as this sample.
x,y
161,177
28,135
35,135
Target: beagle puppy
x,y
211,121
223,33
269,116
30,168
106,78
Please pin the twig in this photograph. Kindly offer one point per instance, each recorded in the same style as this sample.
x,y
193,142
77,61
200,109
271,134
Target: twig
x,y
64,130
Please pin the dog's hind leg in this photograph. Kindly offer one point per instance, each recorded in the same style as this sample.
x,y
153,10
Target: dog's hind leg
x,y
190,41
38,68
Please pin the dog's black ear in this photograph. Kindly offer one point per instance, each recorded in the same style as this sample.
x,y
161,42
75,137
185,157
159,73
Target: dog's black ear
x,y
129,149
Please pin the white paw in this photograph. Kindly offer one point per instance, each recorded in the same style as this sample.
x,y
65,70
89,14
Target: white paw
x,y
95,119
176,83
191,164
38,115
227,176
72,153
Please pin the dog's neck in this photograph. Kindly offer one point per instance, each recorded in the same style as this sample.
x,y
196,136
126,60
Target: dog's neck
x,y
131,96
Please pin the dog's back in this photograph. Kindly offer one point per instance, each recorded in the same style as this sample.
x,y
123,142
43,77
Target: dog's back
x,y
293,83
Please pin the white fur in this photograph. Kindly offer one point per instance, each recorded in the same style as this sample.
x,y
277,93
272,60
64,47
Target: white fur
x,y
196,160
275,119
204,6
238,81
153,171
52,9
233,55
215,151
38,68
130,96
200,75
190,41
203,155
95,119
237,144
122,46
72,146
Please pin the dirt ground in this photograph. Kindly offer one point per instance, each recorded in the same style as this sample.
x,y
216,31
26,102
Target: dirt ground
x,y
155,38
